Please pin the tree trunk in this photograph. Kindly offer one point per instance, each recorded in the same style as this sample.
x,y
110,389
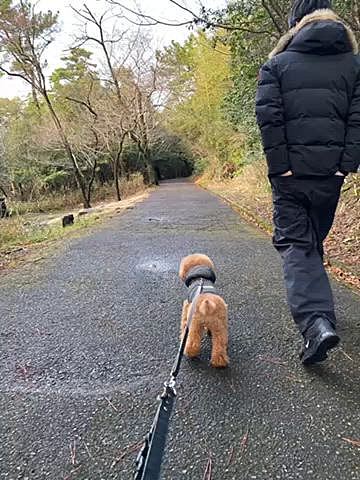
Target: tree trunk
x,y
34,94
151,177
116,180
21,190
143,142
118,166
69,152
4,213
91,183
146,175
148,169
3,191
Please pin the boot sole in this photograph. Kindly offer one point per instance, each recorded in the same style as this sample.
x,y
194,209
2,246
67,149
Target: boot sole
x,y
320,353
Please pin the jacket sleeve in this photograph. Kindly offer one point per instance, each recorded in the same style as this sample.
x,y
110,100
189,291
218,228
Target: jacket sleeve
x,y
270,118
351,157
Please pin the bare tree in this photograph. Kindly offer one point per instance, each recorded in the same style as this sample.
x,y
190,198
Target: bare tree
x,y
144,81
100,38
25,36
113,134
134,105
4,176
88,149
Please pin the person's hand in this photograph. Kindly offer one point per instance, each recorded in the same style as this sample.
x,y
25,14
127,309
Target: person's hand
x,y
339,174
287,174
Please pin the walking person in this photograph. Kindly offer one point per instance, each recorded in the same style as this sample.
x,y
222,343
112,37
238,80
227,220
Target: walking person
x,y
308,111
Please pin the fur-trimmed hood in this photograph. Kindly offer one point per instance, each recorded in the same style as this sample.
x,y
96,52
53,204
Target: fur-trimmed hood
x,y
317,16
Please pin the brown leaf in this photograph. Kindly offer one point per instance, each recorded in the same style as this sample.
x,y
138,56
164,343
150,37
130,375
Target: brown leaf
x,y
275,361
354,443
208,470
244,441
231,456
127,451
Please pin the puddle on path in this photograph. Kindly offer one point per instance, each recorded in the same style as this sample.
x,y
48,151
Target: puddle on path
x,y
157,266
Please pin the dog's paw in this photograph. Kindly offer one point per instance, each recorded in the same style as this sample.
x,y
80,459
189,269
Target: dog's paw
x,y
192,352
220,361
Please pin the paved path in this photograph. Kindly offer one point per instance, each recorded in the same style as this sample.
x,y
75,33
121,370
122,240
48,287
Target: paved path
x,y
88,337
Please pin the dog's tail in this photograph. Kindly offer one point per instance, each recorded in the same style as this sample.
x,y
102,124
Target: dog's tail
x,y
207,306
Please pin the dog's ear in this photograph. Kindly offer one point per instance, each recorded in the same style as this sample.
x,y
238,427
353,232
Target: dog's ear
x,y
187,263
183,268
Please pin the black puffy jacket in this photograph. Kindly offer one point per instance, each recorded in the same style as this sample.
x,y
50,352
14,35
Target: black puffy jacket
x,y
308,99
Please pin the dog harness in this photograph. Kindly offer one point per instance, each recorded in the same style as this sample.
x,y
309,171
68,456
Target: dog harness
x,y
198,275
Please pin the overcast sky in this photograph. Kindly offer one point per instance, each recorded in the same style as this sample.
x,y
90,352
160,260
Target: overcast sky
x,y
157,8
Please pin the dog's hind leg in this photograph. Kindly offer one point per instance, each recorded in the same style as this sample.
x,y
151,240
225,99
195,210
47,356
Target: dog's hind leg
x,y
219,356
220,339
193,344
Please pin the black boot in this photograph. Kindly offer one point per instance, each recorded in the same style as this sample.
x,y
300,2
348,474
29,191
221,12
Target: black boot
x,y
319,339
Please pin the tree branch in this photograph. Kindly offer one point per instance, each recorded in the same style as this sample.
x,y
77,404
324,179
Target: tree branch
x,y
196,20
13,74
150,21
277,25
84,104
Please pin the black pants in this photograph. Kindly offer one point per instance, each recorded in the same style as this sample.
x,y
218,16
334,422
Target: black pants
x,y
304,211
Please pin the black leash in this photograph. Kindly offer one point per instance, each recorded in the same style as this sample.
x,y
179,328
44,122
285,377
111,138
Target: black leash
x,y
150,457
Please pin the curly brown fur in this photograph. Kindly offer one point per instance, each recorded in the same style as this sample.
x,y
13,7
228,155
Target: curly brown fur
x,y
211,315
196,260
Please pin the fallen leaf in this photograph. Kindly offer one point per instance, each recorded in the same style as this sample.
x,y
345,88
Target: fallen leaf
x,y
354,443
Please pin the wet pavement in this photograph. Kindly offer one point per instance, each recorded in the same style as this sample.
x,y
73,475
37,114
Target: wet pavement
x,y
88,337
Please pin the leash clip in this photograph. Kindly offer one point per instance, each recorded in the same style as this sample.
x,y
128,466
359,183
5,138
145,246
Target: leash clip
x,y
169,390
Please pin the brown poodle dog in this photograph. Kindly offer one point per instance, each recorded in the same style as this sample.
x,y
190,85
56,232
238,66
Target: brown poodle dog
x,y
210,313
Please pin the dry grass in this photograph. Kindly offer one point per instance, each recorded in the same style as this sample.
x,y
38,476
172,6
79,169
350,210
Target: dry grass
x,y
250,192
22,231
343,245
15,234
132,186
64,201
